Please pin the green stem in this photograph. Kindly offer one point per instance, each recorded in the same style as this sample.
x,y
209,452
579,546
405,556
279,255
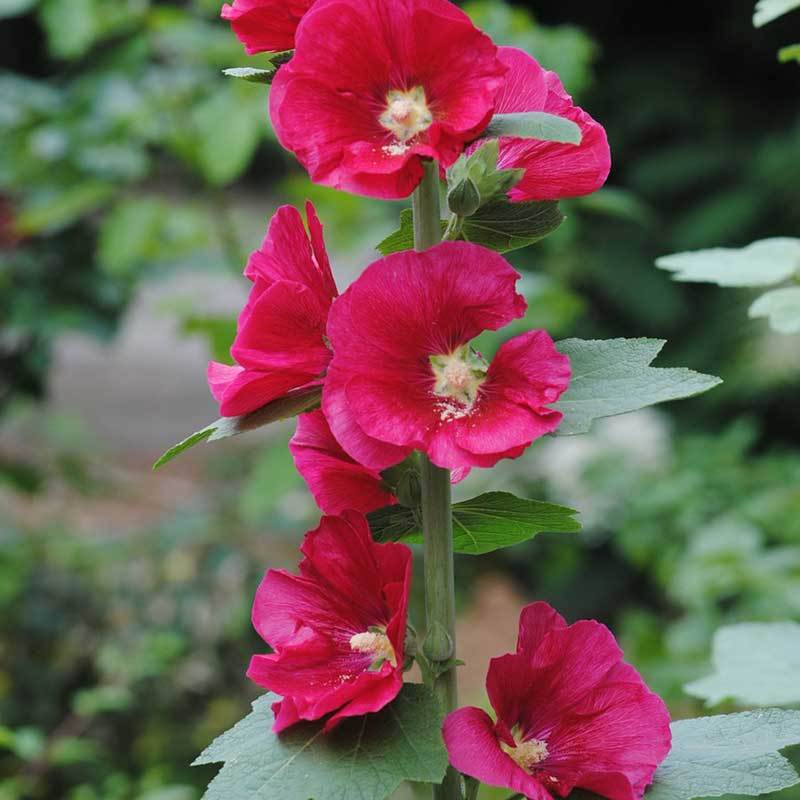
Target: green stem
x,y
440,606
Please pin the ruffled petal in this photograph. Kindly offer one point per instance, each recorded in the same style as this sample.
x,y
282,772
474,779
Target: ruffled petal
x,y
474,750
265,25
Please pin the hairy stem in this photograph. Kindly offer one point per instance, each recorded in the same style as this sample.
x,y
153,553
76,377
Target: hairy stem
x,y
440,607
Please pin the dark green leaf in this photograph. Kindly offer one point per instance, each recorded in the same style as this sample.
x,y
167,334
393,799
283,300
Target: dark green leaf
x,y
283,408
505,226
614,376
535,125
481,525
730,754
364,757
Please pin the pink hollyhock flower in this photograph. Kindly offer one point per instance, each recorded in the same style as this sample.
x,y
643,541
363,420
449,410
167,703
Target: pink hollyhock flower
x,y
280,346
265,25
375,85
338,482
404,376
570,714
552,170
338,629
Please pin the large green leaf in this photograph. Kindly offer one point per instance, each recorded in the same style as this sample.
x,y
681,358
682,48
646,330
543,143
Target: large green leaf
x,y
225,427
731,754
614,376
535,125
756,664
781,307
481,525
763,263
769,10
365,758
498,225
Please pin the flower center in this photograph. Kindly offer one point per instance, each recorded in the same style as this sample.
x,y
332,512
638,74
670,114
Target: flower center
x,y
374,642
459,375
527,754
406,114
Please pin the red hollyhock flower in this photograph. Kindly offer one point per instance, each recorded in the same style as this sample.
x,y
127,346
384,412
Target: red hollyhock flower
x,y
552,170
265,25
338,629
280,345
375,85
338,482
570,713
404,376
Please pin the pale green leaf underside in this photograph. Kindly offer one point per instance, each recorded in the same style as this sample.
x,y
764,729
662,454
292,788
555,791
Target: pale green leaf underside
x,y
730,754
535,125
225,427
781,307
769,10
756,664
250,74
365,758
12,8
481,525
763,263
614,376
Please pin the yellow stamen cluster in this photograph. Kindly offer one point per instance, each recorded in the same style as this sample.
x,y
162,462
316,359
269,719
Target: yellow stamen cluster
x,y
527,754
406,114
459,375
375,644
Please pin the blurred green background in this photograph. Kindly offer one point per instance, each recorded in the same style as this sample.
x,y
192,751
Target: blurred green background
x,y
134,179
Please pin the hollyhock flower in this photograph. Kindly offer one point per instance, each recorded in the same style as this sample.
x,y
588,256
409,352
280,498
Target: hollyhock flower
x,y
337,629
280,346
265,25
404,376
338,482
552,170
570,714
375,85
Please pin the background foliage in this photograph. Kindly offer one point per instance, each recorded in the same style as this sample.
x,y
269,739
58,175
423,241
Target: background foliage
x,y
125,154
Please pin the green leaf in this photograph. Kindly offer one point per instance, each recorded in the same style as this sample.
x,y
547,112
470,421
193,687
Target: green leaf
x,y
283,408
762,263
729,754
499,225
789,53
403,238
481,525
769,10
364,757
756,664
781,307
505,226
614,376
228,127
535,125
479,171
71,26
251,74
13,8
50,212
